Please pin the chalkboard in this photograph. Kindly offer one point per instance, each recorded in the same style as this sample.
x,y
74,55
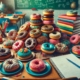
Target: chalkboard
x,y
45,4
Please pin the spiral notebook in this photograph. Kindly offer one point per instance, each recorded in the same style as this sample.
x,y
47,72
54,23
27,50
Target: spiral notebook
x,y
67,65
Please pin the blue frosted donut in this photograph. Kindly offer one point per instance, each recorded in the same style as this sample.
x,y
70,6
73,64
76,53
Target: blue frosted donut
x,y
24,52
48,46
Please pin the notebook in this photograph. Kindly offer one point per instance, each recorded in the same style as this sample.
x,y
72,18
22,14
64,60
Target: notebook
x,y
64,67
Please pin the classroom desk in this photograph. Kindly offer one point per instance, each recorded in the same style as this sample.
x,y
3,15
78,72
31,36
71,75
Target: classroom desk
x,y
13,20
22,18
24,75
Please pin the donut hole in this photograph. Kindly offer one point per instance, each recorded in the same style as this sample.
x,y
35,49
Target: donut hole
x,y
29,42
34,31
36,62
46,26
3,50
78,47
47,45
59,45
10,62
11,34
21,34
17,44
73,38
54,32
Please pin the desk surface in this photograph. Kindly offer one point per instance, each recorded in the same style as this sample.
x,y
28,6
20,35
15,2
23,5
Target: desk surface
x,y
24,75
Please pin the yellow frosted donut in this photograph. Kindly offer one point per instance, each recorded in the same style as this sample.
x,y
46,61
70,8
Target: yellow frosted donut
x,y
35,33
48,12
47,28
55,35
71,13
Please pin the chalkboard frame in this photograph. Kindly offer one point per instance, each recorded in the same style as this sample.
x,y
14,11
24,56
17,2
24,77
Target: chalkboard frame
x,y
47,7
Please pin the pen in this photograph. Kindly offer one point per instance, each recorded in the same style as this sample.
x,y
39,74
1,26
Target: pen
x,y
73,63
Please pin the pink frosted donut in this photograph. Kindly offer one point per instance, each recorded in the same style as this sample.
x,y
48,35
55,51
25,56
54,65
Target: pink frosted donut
x,y
76,49
17,45
74,39
53,41
37,65
47,22
35,16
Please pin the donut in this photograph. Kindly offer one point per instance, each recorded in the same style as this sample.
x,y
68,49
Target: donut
x,y
5,53
48,12
35,27
45,34
11,65
25,27
48,19
12,34
66,42
36,21
35,33
48,22
35,16
71,13
74,39
38,47
37,65
47,16
54,41
24,54
47,28
42,39
48,48
36,24
76,49
61,48
55,35
23,35
30,43
17,45
8,44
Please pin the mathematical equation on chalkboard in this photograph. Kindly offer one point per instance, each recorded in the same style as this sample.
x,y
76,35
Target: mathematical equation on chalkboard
x,y
43,4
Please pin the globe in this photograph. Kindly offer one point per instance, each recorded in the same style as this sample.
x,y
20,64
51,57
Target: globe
x,y
2,7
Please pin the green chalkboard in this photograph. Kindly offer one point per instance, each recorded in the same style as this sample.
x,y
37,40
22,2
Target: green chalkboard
x,y
45,4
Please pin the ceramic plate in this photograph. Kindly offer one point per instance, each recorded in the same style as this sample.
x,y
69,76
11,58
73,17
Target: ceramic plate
x,y
74,54
46,71
2,71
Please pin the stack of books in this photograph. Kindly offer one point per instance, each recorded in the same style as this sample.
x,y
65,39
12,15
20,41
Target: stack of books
x,y
69,25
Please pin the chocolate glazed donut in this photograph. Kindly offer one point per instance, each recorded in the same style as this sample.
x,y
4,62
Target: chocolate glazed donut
x,y
30,43
12,34
22,35
4,51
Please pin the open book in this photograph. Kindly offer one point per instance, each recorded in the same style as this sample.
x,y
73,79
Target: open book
x,y
67,65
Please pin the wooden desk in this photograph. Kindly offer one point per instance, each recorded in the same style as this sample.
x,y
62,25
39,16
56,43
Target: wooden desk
x,y
12,20
24,75
21,15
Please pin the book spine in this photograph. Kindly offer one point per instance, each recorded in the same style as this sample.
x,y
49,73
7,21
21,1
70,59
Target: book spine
x,y
66,23
67,17
66,20
67,32
65,28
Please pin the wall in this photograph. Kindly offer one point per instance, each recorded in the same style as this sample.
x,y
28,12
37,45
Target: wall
x,y
29,12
